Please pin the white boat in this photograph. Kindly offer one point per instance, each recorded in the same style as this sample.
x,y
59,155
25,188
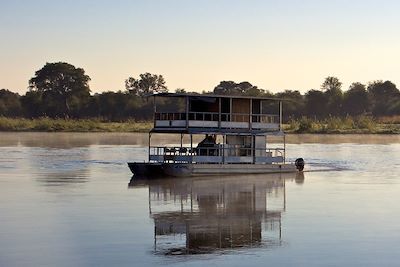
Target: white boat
x,y
235,132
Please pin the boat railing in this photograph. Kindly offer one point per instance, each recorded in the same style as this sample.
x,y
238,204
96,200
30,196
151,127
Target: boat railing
x,y
214,116
265,118
203,116
217,154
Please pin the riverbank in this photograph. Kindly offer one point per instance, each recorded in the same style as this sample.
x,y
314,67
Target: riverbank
x,y
68,125
346,125
361,125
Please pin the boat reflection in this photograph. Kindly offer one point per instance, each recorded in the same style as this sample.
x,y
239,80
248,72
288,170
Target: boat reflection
x,y
206,215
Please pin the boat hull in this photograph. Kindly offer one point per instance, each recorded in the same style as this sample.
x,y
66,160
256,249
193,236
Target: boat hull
x,y
146,169
187,169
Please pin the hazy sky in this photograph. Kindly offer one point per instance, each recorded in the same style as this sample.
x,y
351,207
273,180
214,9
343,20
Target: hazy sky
x,y
275,45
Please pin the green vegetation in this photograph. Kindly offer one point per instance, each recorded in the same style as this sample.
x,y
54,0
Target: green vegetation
x,y
337,125
70,125
60,90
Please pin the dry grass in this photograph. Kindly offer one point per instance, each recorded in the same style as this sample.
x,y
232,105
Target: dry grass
x,y
347,125
69,125
335,125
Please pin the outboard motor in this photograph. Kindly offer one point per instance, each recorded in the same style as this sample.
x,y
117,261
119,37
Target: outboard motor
x,y
299,164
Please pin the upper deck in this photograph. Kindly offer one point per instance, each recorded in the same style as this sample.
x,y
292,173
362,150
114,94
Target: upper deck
x,y
216,113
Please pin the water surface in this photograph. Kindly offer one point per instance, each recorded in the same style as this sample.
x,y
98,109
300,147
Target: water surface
x,y
67,199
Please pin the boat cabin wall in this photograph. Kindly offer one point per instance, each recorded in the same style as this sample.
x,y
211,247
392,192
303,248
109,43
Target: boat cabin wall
x,y
241,106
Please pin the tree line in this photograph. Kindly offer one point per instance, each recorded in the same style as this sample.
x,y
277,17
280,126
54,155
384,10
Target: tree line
x,y
60,90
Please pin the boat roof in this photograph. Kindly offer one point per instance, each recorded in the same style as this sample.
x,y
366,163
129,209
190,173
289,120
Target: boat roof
x,y
194,95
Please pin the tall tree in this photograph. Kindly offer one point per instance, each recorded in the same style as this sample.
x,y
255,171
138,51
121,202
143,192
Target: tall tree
x,y
331,83
146,84
315,103
64,89
242,88
226,88
332,88
294,105
355,100
384,96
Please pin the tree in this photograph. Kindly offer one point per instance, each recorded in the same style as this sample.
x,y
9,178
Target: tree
x,y
180,91
355,100
32,104
383,97
10,104
331,83
63,88
226,88
147,84
242,88
294,105
332,88
315,103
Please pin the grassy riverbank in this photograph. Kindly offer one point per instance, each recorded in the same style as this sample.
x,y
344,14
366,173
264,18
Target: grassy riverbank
x,y
67,125
348,125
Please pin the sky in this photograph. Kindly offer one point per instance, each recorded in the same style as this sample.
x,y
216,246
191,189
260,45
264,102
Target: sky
x,y
275,45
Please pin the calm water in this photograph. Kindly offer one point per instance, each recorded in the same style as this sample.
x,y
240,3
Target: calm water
x,y
68,200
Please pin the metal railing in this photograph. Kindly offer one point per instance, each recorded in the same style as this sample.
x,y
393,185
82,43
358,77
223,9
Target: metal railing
x,y
216,154
170,116
214,116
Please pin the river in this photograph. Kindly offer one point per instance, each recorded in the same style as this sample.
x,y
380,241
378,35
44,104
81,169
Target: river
x,y
67,199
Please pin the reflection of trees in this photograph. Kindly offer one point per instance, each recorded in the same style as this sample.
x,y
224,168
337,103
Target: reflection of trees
x,y
61,140
63,177
204,215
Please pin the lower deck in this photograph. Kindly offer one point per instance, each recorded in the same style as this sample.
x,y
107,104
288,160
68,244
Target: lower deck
x,y
217,154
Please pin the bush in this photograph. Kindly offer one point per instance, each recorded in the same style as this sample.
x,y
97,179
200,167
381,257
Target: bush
x,y
365,122
307,125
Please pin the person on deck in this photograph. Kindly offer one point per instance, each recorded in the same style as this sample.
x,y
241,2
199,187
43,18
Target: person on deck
x,y
207,147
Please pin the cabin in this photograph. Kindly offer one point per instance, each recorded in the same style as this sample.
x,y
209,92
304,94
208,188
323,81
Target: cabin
x,y
218,113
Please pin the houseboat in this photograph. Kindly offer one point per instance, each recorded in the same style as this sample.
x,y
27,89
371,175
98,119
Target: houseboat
x,y
234,136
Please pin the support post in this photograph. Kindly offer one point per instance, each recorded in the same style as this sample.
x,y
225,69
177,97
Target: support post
x,y
191,148
230,109
154,111
181,140
253,149
223,149
250,113
191,199
219,112
280,115
187,112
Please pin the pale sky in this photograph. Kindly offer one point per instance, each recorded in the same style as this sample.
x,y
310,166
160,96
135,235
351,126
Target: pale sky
x,y
275,45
